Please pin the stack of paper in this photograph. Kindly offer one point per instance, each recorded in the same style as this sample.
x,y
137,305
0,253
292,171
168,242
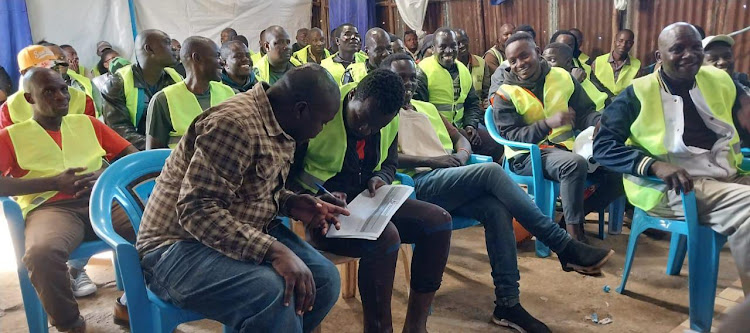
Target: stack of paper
x,y
370,215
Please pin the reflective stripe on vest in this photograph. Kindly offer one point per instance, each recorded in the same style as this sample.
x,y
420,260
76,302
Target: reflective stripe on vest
x,y
606,74
326,152
337,69
131,92
20,110
497,55
648,131
184,106
477,73
558,87
264,68
38,153
303,54
440,87
358,71
599,98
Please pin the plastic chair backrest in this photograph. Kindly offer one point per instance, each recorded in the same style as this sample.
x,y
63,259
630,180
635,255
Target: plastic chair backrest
x,y
17,225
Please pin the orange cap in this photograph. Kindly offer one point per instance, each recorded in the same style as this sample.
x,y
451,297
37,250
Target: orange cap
x,y
34,55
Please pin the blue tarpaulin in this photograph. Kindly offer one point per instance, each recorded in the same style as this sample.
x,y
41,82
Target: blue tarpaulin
x,y
360,13
15,34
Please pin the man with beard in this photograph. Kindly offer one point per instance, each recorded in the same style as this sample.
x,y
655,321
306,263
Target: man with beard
x,y
377,46
676,124
172,110
278,59
238,71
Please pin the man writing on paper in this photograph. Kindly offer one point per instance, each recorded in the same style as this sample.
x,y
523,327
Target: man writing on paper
x,y
357,151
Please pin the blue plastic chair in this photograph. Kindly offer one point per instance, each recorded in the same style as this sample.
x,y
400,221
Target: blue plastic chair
x,y
129,181
746,152
703,249
36,317
545,191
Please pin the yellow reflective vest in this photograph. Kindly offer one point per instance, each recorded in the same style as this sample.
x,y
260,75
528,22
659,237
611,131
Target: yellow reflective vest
x,y
184,107
264,68
558,87
131,92
440,87
606,74
38,153
20,110
303,54
336,69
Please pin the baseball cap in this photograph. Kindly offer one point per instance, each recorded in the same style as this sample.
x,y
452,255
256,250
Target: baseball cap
x,y
101,46
34,56
718,38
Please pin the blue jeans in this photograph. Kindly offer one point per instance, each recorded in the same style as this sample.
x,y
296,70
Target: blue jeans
x,y
245,296
486,193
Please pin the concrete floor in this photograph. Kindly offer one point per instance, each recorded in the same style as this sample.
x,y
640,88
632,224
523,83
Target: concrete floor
x,y
655,302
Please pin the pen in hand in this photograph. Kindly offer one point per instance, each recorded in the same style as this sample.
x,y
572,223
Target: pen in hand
x,y
323,189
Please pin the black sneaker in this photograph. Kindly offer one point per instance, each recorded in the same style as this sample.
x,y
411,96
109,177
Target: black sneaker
x,y
583,258
517,318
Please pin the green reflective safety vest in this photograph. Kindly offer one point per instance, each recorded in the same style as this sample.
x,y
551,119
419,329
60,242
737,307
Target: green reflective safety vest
x,y
20,110
440,87
477,73
38,153
360,56
558,87
337,69
255,57
303,54
584,58
84,81
184,107
358,71
497,54
599,98
326,152
264,68
648,131
81,70
131,92
606,74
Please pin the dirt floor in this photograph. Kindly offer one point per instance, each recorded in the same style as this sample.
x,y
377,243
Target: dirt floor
x,y
654,302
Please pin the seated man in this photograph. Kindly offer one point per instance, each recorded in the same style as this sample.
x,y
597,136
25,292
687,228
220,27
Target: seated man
x,y
54,195
172,110
378,46
73,60
496,54
686,137
17,109
238,69
580,71
397,45
480,73
561,55
582,58
718,50
348,43
435,153
226,35
178,65
278,59
315,51
128,91
357,151
521,116
255,57
614,71
74,79
447,84
209,242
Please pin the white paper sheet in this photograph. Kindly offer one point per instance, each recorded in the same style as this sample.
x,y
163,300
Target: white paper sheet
x,y
370,215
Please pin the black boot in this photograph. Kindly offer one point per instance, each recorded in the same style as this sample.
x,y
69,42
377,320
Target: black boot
x,y
518,319
583,258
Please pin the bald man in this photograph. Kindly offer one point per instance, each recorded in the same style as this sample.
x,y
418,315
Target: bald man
x,y
278,59
54,196
676,124
178,65
128,91
226,35
496,54
238,70
480,73
210,220
302,35
74,79
171,110
315,51
255,57
378,47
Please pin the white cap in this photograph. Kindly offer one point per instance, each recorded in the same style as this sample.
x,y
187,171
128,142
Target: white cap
x,y
718,38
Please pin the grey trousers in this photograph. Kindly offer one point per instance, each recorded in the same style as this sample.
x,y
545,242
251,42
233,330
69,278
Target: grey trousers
x,y
725,205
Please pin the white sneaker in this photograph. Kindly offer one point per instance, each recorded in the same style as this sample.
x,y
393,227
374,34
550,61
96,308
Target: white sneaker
x,y
82,285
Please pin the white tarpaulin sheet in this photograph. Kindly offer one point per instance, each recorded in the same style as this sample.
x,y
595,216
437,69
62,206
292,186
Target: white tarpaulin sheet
x,y
181,19
82,23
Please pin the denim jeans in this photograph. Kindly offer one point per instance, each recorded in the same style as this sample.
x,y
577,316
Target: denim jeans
x,y
486,193
245,296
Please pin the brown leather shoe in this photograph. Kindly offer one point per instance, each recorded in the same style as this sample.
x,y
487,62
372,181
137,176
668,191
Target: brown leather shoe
x,y
78,327
121,314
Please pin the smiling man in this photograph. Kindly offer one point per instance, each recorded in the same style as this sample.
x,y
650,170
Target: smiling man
x,y
378,46
718,50
238,71
171,110
278,59
545,105
676,124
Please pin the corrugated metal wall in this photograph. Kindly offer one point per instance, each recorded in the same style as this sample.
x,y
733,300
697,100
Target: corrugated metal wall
x,y
594,18
736,16
533,12
467,15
